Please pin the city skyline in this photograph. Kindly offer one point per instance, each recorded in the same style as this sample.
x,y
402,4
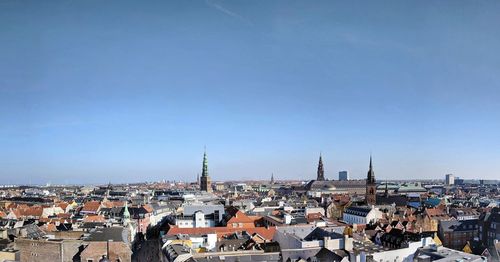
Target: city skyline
x,y
93,91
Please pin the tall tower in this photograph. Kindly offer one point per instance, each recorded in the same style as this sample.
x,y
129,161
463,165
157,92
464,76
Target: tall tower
x,y
126,214
321,171
205,182
371,187
272,178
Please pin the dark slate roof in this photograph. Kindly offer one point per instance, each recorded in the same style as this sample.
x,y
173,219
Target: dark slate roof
x,y
319,234
231,244
33,231
118,234
394,237
299,220
458,225
325,255
358,210
92,224
65,227
398,200
493,216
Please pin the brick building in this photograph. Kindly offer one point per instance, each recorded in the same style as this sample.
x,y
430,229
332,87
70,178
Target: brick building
x,y
456,233
32,250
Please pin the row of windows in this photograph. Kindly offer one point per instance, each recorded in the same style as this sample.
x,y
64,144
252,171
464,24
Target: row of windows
x,y
189,223
355,219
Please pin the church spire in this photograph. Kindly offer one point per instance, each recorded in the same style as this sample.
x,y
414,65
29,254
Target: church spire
x,y
371,187
204,172
321,171
371,175
205,181
272,178
126,214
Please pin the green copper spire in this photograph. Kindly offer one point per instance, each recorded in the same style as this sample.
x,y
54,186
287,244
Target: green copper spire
x,y
204,172
126,213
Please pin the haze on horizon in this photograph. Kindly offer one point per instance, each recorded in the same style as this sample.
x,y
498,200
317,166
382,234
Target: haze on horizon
x,y
121,91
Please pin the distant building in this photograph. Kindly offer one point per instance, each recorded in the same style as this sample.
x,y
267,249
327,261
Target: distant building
x,y
321,171
450,179
322,186
316,188
205,183
220,186
371,187
411,188
459,181
343,176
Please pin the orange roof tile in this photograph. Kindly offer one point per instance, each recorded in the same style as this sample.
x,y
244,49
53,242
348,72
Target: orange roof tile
x,y
50,227
94,218
148,208
111,204
63,205
267,233
91,206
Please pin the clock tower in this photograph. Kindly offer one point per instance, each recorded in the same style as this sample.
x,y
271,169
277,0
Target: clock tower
x,y
205,181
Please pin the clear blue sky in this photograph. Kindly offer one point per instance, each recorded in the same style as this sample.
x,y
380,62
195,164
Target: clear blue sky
x,y
98,91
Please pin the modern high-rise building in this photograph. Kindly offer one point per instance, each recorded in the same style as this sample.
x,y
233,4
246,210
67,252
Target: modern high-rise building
x,y
450,179
205,181
343,175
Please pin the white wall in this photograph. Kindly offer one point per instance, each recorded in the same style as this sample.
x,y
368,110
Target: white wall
x,y
397,255
185,223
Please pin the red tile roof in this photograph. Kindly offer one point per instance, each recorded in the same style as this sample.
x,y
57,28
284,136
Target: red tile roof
x,y
267,233
112,204
91,206
63,205
240,217
94,218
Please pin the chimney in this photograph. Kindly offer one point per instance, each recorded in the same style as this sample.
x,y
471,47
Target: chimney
x,y
326,242
107,248
348,245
